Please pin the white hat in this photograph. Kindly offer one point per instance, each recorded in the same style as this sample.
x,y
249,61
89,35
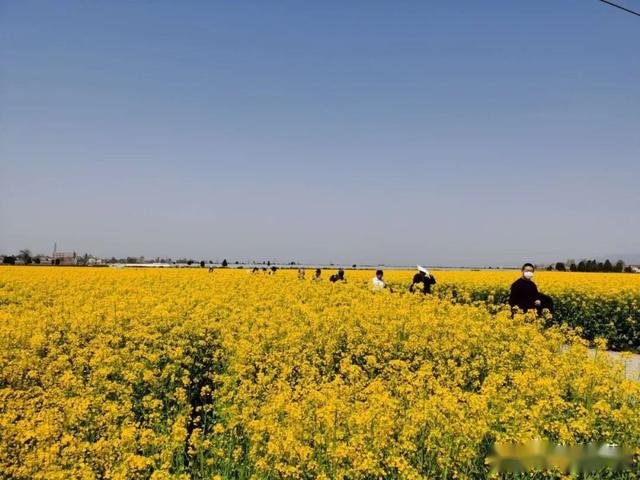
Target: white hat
x,y
422,269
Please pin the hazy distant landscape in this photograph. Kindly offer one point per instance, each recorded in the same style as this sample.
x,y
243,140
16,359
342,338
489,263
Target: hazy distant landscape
x,y
319,240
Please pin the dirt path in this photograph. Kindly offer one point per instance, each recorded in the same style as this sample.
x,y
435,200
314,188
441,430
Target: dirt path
x,y
632,364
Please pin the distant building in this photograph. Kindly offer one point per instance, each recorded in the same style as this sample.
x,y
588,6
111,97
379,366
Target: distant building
x,y
64,258
42,259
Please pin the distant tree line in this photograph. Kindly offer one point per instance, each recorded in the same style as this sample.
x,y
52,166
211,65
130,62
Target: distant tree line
x,y
591,266
26,257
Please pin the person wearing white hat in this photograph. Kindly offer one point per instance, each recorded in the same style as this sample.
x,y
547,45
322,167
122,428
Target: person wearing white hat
x,y
425,278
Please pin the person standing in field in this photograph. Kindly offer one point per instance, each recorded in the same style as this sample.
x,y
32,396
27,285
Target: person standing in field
x,y
524,293
338,277
318,275
378,283
425,278
301,274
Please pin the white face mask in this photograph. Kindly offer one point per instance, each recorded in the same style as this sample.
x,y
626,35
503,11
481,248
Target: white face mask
x,y
528,275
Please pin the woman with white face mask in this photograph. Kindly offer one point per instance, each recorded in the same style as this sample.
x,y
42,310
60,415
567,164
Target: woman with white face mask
x,y
524,293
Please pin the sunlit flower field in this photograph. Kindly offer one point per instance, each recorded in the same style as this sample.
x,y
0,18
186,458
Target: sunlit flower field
x,y
185,374
605,305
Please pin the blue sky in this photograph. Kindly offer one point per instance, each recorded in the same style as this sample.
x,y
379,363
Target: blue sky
x,y
394,132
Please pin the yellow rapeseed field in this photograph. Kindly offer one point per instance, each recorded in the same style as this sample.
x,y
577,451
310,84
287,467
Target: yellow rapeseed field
x,y
605,305
185,374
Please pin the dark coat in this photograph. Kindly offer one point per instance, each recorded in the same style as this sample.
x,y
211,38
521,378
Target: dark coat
x,y
425,280
524,294
337,277
545,302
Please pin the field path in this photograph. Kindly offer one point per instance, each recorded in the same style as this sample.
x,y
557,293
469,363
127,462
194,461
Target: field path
x,y
632,364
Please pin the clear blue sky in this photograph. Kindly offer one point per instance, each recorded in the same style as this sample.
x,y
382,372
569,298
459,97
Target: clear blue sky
x,y
364,131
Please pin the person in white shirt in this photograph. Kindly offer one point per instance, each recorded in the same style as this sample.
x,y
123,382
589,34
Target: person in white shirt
x,y
378,283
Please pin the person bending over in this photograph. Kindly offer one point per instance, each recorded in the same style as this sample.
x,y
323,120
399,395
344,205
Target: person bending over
x,y
423,277
338,277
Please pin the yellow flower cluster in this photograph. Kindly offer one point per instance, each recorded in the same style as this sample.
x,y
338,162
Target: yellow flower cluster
x,y
600,305
605,305
181,374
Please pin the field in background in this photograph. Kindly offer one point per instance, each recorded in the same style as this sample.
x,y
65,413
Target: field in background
x,y
108,373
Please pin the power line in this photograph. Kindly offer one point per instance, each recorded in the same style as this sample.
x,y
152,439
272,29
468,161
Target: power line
x,y
620,7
